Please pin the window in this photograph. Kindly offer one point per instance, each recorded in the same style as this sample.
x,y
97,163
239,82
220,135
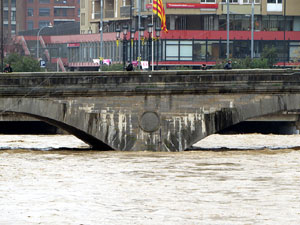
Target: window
x,y
82,19
199,51
208,1
43,23
275,1
13,16
60,12
250,1
30,1
5,15
29,25
13,29
230,1
29,12
277,23
44,1
274,6
44,12
172,50
186,50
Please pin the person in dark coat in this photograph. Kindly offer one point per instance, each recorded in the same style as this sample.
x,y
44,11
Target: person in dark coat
x,y
7,68
129,67
204,67
228,65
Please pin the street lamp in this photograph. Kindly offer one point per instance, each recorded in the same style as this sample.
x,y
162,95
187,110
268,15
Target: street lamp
x,y
38,40
118,34
157,33
227,28
142,32
252,30
132,34
2,39
101,31
125,30
150,30
142,37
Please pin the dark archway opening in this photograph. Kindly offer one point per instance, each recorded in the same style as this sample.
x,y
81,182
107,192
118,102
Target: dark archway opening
x,y
263,127
27,127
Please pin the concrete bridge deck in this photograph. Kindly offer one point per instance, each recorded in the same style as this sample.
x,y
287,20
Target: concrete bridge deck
x,y
157,111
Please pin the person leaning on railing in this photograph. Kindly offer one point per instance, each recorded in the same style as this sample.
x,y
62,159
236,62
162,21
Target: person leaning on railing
x,y
228,65
7,68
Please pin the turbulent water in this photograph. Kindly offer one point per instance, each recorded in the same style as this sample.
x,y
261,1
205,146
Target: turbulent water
x,y
194,187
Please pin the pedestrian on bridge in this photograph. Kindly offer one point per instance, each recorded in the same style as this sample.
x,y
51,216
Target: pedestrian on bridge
x,y
129,67
7,68
228,65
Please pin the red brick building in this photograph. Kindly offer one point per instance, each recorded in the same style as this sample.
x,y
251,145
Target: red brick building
x,y
35,14
40,13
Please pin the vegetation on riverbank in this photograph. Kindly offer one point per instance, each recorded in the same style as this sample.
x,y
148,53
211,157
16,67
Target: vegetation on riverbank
x,y
22,63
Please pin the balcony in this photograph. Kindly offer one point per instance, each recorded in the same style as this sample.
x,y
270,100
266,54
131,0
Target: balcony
x,y
274,7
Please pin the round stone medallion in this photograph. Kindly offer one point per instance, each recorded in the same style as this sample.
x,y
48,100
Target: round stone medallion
x,y
150,121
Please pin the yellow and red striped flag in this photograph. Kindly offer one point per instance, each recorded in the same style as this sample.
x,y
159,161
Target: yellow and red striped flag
x,y
158,8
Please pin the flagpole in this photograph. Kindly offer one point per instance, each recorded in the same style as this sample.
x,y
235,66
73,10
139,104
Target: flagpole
x,y
152,49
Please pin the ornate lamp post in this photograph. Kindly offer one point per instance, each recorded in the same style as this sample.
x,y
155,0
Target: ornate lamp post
x,y
140,52
132,34
125,30
157,33
118,34
150,30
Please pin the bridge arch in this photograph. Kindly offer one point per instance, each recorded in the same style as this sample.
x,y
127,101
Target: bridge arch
x,y
241,110
31,108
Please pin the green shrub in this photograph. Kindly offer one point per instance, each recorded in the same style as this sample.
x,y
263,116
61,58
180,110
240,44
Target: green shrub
x,y
112,67
22,63
180,68
246,63
270,54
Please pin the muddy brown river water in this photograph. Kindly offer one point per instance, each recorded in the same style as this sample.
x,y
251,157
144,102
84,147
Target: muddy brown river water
x,y
194,187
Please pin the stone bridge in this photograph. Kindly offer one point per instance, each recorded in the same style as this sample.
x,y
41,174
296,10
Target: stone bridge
x,y
156,111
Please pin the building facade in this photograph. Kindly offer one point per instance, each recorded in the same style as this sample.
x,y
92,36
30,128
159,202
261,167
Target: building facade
x,y
10,23
198,14
197,32
40,13
35,14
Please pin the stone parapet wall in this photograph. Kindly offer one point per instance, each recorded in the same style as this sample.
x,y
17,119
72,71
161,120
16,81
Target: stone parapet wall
x,y
157,82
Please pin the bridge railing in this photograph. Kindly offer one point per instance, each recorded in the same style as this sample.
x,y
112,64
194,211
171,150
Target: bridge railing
x,y
157,82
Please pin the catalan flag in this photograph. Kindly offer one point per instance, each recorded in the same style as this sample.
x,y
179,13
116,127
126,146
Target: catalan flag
x,y
158,8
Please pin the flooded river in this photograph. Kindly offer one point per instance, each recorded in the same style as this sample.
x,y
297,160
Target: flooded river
x,y
244,186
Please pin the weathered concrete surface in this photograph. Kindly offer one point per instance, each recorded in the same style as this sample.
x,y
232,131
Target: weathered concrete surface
x,y
162,111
